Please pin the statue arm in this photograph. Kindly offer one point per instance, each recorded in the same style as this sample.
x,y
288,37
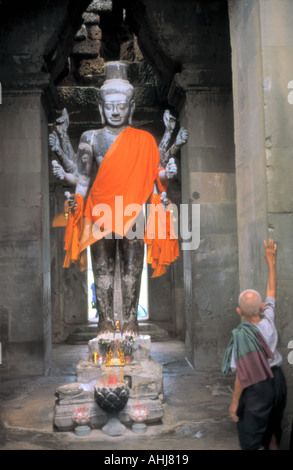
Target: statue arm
x,y
60,144
82,186
61,174
181,139
68,152
171,167
84,160
170,123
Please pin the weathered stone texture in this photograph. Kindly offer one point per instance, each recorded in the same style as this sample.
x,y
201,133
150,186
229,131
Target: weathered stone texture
x,y
263,140
24,233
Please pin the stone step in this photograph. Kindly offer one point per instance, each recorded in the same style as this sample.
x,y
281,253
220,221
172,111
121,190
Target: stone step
x,y
82,334
154,331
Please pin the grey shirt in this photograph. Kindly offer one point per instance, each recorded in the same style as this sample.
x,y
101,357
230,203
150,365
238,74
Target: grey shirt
x,y
268,330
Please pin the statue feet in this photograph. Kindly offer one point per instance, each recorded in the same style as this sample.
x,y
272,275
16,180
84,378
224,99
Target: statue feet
x,y
105,328
130,328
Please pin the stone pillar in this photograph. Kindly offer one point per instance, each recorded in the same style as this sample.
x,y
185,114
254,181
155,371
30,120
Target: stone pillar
x,y
262,44
25,331
208,179
250,142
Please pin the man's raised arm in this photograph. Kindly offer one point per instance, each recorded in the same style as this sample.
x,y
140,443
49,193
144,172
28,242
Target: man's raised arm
x,y
270,257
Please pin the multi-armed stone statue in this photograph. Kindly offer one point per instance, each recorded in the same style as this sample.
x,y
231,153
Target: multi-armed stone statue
x,y
115,170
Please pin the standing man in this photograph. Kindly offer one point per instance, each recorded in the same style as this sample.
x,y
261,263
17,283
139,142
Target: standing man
x,y
259,397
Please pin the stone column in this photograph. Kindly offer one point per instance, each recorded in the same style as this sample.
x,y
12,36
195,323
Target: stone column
x,y
263,116
208,179
25,325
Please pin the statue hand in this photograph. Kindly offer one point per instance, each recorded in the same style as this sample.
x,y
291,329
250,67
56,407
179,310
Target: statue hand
x,y
169,121
54,142
171,168
182,137
62,123
58,170
71,199
164,200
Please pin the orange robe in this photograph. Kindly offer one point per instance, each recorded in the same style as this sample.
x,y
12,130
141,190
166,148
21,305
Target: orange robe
x,y
160,236
128,170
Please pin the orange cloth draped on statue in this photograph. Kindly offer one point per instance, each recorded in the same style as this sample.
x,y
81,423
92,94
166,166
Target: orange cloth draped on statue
x,y
160,237
126,176
73,233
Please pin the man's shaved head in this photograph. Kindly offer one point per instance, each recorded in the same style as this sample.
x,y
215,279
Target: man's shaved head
x,y
249,302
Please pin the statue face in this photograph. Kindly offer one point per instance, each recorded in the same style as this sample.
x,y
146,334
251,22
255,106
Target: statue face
x,y
117,109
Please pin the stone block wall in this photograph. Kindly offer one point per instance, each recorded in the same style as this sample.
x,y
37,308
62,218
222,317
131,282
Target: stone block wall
x,y
211,270
263,122
24,235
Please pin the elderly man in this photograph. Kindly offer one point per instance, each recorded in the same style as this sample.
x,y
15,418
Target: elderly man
x,y
259,396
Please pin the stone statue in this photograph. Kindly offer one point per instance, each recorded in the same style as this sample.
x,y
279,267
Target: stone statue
x,y
83,170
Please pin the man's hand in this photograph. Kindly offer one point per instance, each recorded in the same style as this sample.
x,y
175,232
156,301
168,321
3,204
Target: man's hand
x,y
233,410
270,251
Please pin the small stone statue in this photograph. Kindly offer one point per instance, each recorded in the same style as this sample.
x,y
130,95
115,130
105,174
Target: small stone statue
x,y
109,162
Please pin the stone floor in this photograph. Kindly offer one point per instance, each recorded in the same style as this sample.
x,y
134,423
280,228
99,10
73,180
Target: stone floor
x,y
196,409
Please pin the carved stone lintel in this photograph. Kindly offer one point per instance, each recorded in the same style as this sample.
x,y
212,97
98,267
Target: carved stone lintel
x,y
13,83
196,78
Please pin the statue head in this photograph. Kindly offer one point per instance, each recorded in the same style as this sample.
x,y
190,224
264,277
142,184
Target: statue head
x,y
117,104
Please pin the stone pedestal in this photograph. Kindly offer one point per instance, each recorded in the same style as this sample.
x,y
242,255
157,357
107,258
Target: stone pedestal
x,y
143,375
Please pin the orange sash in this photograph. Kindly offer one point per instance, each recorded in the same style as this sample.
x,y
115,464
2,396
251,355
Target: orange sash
x,y
128,171
160,237
73,234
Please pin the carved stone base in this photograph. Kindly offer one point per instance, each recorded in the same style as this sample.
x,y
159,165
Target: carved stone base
x,y
144,379
114,427
82,430
65,406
